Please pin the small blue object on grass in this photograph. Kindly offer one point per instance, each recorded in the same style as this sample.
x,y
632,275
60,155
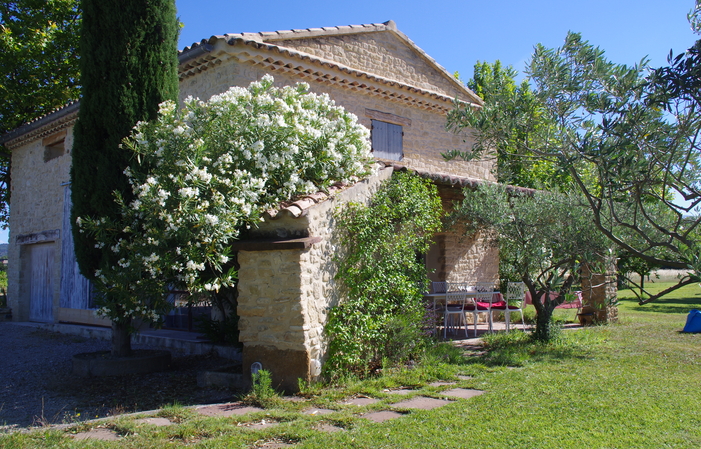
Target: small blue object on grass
x,y
693,321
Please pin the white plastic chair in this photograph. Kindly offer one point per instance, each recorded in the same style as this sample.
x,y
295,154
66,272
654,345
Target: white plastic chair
x,y
514,301
454,308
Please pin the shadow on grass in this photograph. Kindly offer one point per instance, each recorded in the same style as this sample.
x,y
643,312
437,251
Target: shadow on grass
x,y
518,349
664,305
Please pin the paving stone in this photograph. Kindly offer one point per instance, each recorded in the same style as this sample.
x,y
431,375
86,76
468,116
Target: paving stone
x,y
440,384
422,403
463,393
330,428
231,409
294,398
159,422
382,416
465,377
97,434
360,401
318,411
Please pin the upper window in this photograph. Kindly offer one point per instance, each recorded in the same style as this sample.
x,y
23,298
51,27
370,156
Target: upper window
x,y
54,146
387,140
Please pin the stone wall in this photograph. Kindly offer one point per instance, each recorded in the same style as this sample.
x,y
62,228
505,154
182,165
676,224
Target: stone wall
x,y
36,207
285,295
381,53
425,138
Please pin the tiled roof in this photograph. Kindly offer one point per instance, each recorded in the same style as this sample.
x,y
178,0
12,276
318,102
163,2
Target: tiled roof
x,y
63,116
299,208
458,181
265,40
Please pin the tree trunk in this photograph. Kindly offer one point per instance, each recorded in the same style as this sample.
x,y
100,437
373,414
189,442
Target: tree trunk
x,y
543,324
121,338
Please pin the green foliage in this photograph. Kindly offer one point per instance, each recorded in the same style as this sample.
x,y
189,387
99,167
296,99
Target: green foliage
x,y
517,109
542,237
207,172
262,393
627,137
382,319
38,67
124,79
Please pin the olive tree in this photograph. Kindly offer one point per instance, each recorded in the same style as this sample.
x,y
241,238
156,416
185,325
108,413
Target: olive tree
x,y
628,138
542,236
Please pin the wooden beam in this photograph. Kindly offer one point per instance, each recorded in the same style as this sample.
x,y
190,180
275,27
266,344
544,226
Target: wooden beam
x,y
274,245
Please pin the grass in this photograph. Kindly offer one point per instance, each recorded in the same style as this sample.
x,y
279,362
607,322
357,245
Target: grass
x,y
629,385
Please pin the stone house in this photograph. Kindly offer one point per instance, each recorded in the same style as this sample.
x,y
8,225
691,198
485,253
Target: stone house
x,y
286,276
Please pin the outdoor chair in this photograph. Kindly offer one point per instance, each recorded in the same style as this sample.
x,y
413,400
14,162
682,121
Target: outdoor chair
x,y
484,286
459,287
480,303
439,287
514,301
454,308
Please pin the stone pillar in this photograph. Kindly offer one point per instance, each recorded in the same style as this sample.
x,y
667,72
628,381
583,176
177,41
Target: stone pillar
x,y
599,291
271,323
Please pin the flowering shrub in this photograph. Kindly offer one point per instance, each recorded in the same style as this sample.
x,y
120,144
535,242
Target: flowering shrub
x,y
206,172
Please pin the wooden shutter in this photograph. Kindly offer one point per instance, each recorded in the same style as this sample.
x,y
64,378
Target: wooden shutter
x,y
387,140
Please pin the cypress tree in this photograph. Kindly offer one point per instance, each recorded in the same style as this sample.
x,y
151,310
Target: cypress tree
x,y
128,62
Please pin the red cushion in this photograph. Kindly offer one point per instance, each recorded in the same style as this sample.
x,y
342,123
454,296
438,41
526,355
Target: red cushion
x,y
480,306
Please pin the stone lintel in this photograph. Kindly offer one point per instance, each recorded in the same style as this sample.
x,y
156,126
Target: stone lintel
x,y
273,245
39,237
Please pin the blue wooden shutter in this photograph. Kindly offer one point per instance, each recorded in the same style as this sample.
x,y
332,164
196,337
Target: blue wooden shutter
x,y
387,140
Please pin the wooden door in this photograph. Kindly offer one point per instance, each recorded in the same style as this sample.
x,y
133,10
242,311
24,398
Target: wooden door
x,y
41,301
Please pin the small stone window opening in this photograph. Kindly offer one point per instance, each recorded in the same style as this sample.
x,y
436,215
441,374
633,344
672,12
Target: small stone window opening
x,y
54,146
387,140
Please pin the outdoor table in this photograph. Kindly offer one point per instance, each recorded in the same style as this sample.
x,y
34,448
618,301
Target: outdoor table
x,y
440,298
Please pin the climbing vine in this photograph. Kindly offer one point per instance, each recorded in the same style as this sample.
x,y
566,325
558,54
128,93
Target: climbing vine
x,y
382,319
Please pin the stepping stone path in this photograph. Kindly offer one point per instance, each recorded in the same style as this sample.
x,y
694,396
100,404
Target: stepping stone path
x,y
422,403
237,409
462,393
230,409
360,401
159,422
382,416
97,434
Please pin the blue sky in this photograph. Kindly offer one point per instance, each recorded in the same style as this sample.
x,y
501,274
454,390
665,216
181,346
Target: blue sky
x,y
459,33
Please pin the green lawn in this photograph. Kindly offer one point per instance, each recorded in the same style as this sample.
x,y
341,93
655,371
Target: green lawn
x,y
630,385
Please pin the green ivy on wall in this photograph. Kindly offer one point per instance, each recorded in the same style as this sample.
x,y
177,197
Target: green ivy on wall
x,y
382,320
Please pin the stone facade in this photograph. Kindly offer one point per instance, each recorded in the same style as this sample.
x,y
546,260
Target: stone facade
x,y
38,191
285,291
285,295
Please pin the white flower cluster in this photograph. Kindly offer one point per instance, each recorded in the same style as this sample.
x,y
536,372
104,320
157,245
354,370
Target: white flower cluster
x,y
210,170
